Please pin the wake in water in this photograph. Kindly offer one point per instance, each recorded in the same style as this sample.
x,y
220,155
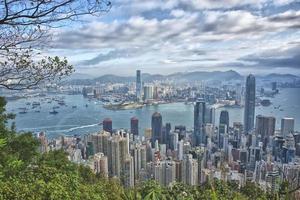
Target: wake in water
x,y
48,128
80,127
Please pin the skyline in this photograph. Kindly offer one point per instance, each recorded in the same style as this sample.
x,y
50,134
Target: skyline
x,y
177,36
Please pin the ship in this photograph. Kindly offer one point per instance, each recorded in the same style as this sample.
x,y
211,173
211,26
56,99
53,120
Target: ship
x,y
53,112
265,102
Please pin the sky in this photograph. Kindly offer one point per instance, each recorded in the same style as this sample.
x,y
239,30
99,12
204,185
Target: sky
x,y
168,36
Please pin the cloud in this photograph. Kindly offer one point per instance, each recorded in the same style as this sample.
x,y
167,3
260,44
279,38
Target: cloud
x,y
276,58
181,33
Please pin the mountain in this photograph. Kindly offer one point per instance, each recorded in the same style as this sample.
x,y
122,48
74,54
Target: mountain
x,y
215,76
280,77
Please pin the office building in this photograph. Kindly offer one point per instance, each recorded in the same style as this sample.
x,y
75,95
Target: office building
x,y
249,111
287,126
199,121
134,126
265,127
224,119
156,125
148,92
138,85
107,125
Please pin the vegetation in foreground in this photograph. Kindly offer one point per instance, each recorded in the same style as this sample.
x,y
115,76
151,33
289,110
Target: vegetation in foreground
x,y
26,174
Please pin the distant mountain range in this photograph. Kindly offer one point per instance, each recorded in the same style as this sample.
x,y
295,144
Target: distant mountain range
x,y
215,76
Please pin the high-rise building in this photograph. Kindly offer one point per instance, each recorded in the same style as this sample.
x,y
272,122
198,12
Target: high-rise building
x,y
249,111
128,172
238,94
148,92
265,127
287,126
138,85
199,121
221,134
224,118
274,86
134,126
156,125
107,125
189,170
100,164
165,172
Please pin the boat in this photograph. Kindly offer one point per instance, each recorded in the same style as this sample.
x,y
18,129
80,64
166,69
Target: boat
x,y
55,107
35,104
37,111
265,102
86,105
74,106
54,112
23,110
61,102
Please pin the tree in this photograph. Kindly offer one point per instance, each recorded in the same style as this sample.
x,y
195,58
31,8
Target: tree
x,y
24,28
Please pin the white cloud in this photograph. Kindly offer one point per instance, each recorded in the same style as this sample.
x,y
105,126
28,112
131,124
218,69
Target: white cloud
x,y
180,36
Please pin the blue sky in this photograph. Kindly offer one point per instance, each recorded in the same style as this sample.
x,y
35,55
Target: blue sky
x,y
166,36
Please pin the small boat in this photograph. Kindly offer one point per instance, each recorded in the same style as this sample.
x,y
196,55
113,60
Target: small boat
x,y
55,107
86,105
35,104
61,102
37,111
23,112
74,106
54,112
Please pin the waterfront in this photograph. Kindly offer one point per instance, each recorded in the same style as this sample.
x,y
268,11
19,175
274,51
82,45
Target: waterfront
x,y
82,119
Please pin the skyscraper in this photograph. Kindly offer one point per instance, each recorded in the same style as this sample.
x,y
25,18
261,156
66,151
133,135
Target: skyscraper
x,y
249,111
107,125
199,120
265,126
138,85
287,126
148,92
156,125
134,126
224,118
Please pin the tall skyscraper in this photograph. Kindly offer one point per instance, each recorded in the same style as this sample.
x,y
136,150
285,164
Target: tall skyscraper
x,y
134,126
249,111
138,85
224,118
199,120
287,126
107,125
156,125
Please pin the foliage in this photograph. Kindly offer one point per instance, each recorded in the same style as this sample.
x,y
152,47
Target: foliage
x,y
25,29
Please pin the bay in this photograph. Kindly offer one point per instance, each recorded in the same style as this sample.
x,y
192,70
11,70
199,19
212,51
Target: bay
x,y
83,120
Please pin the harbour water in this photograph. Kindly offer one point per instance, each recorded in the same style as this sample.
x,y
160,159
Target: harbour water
x,y
84,119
